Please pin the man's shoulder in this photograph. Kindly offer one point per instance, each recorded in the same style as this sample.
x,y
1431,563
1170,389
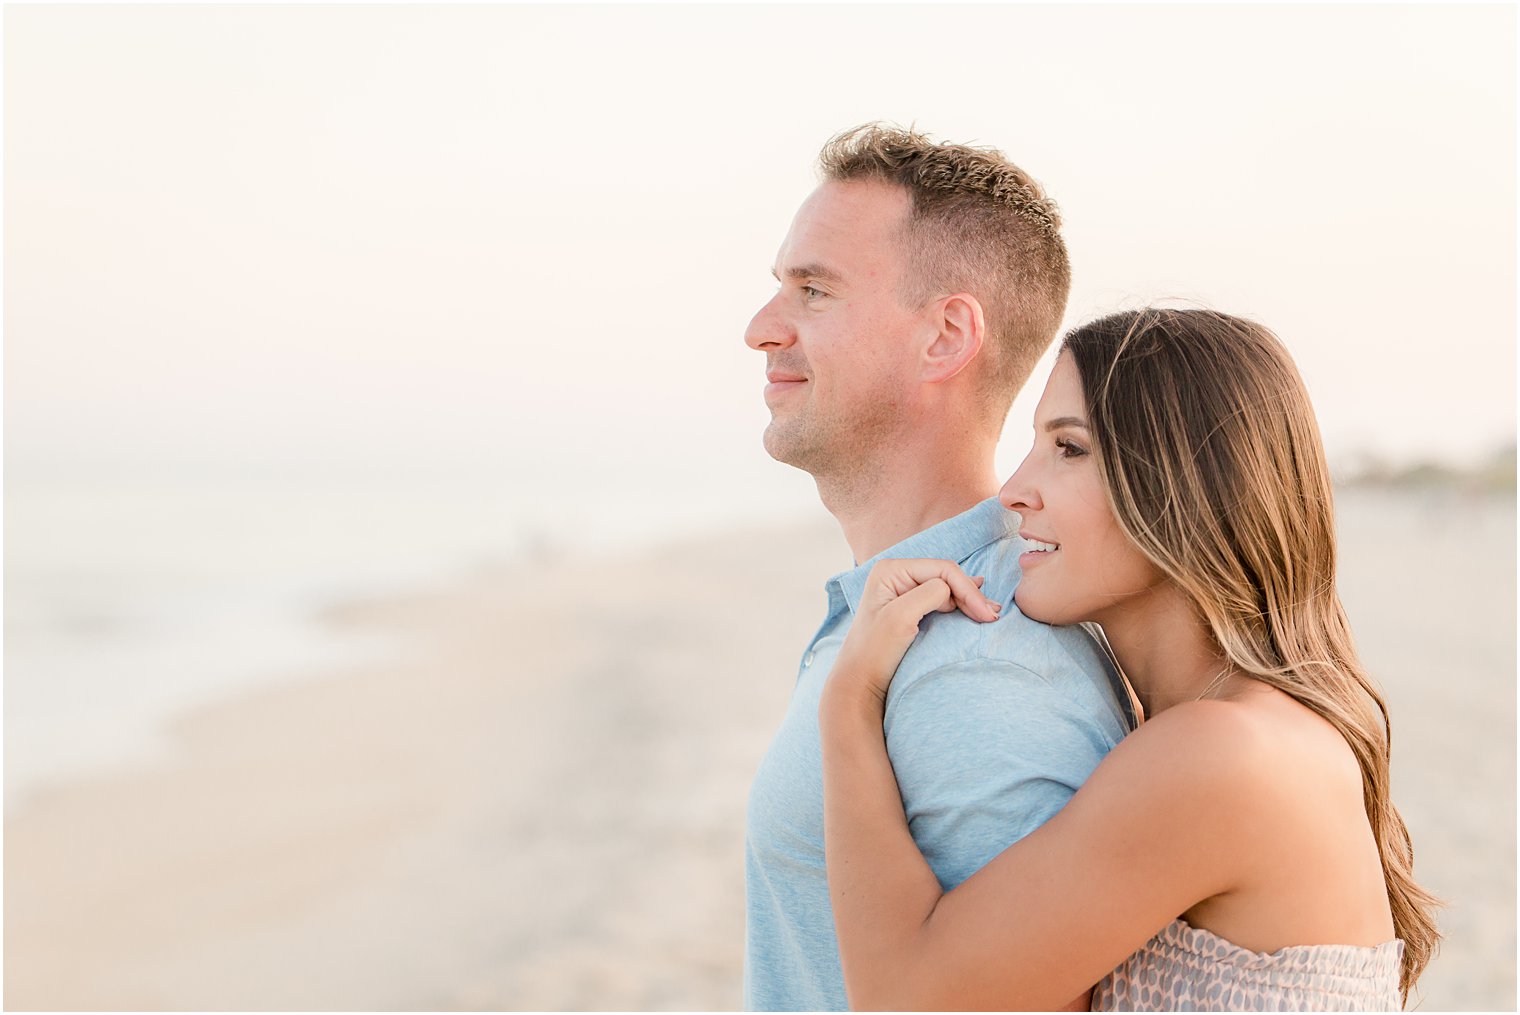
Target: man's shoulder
x,y
952,645
1054,677
960,665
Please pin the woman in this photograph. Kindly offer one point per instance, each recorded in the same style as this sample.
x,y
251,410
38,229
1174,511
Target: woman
x,y
1177,496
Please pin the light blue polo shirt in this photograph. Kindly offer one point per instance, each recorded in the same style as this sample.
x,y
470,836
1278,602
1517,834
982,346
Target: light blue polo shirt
x,y
990,727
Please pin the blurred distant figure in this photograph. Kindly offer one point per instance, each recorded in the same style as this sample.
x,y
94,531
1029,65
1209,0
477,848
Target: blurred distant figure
x,y
919,285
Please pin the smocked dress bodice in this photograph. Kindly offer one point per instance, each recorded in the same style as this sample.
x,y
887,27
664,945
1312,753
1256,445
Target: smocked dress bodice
x,y
1186,968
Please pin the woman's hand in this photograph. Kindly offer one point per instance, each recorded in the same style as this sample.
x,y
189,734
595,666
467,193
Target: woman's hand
x,y
898,594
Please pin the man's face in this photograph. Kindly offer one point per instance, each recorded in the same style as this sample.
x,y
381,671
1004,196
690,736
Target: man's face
x,y
840,346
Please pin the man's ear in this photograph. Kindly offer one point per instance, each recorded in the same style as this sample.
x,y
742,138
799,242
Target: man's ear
x,y
961,330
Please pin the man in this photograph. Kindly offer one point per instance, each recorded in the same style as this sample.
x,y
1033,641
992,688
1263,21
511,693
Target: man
x,y
920,283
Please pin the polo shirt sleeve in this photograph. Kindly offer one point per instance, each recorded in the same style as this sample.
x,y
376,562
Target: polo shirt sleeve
x,y
985,751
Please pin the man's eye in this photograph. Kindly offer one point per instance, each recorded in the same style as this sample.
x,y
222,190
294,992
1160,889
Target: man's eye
x,y
811,292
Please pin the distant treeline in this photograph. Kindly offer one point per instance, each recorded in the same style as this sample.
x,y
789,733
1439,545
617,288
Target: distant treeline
x,y
1496,474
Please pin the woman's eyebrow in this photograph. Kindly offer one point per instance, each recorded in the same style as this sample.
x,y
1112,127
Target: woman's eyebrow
x,y
1063,421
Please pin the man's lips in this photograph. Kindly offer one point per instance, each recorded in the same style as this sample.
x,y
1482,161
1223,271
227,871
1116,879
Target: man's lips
x,y
780,383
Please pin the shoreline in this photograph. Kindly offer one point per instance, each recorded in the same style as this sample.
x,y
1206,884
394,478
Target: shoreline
x,y
374,836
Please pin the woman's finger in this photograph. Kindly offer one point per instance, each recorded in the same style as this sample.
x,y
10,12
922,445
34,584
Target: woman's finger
x,y
922,600
896,577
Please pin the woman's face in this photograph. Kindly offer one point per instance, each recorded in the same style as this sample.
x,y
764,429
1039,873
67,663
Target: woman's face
x,y
1082,566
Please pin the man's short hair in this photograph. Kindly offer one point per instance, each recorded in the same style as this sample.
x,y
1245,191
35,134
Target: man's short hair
x,y
979,224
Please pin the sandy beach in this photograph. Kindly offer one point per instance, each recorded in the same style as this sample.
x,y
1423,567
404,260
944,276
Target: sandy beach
x,y
538,802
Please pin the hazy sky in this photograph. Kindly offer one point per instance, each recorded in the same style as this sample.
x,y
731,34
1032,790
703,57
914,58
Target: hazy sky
x,y
528,239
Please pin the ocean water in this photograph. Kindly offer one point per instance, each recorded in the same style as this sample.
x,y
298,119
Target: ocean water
x,y
130,600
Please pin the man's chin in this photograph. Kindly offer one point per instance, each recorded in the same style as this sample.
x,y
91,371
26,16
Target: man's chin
x,y
786,447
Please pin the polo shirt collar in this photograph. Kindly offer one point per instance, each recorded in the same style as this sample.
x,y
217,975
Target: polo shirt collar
x,y
952,539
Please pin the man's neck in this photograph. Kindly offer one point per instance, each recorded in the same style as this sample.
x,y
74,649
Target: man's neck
x,y
879,508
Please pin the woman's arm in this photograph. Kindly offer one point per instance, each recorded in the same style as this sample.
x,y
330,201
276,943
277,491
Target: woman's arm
x,y
1144,840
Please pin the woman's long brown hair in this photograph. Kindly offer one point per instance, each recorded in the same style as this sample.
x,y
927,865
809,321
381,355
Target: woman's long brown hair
x,y
1214,468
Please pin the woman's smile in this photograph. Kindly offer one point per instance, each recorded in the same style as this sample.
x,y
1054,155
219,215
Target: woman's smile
x,y
1039,551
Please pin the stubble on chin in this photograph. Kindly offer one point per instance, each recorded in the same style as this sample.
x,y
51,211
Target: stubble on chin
x,y
786,441
835,450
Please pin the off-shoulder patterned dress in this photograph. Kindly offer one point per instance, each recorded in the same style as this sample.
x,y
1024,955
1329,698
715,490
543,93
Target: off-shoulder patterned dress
x,y
1186,968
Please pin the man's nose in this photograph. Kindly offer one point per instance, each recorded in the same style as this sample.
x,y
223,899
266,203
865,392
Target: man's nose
x,y
767,329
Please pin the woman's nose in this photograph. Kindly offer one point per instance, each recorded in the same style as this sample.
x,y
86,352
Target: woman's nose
x,y
1018,494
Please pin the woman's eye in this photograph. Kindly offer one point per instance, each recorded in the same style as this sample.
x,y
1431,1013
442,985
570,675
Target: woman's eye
x,y
1068,449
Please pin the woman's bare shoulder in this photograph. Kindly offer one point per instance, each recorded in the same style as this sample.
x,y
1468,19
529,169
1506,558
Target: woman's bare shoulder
x,y
1209,733
1255,753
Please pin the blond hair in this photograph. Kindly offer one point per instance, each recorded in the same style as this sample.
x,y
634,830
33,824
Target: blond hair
x,y
978,224
1213,465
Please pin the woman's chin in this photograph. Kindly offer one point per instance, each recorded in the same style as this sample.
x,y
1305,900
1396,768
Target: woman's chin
x,y
1030,606
1039,607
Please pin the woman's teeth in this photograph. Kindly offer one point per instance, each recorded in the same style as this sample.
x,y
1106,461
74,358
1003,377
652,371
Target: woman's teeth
x,y
1036,545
